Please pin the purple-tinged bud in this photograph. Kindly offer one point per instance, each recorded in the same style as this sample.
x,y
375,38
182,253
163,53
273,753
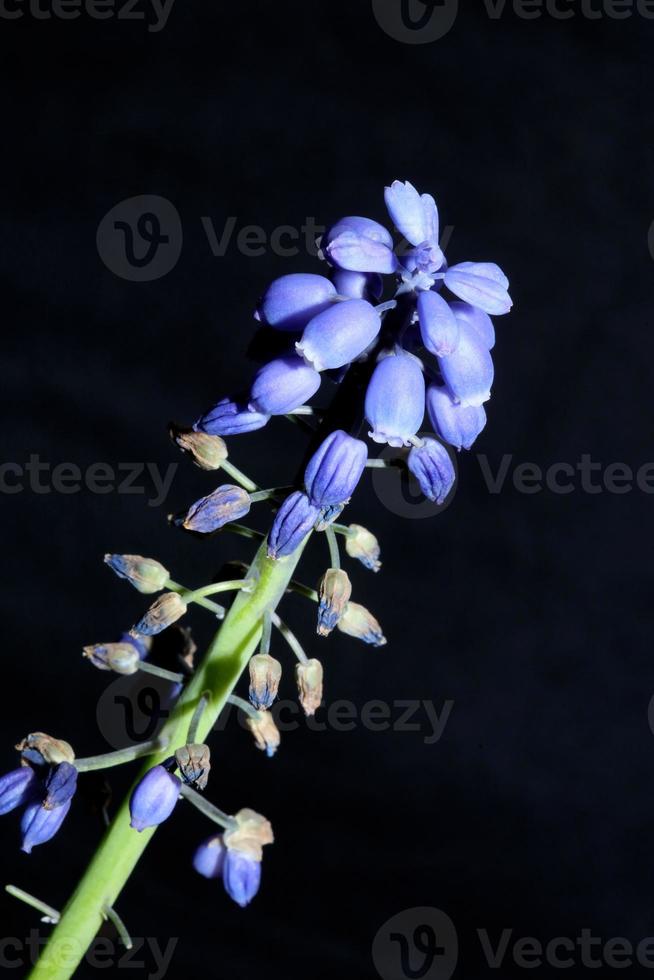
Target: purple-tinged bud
x,y
334,592
432,467
241,877
358,622
145,574
283,385
141,644
230,418
395,399
414,215
17,788
41,749
469,371
293,521
165,611
265,675
39,825
480,322
439,327
363,227
362,544
122,658
309,677
359,285
357,253
291,301
482,284
209,857
360,245
154,798
335,469
328,515
207,451
339,335
226,503
457,424
265,731
60,786
249,834
194,762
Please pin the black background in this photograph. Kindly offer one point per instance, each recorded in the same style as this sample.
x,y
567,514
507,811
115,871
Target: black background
x,y
531,612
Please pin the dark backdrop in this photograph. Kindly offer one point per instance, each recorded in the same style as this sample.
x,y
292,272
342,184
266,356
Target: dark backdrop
x,y
529,611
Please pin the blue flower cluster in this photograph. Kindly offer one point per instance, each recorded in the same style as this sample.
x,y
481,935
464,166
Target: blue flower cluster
x,y
429,348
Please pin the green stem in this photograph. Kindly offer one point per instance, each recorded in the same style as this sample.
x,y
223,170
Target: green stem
x,y
334,554
167,675
237,475
121,847
205,603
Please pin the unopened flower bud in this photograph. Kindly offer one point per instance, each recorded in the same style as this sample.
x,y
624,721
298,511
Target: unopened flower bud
x,y
361,544
250,833
17,788
60,786
334,591
335,469
154,798
241,877
122,658
39,825
207,451
266,733
41,749
293,521
209,857
357,621
167,609
309,678
194,763
225,504
145,574
265,675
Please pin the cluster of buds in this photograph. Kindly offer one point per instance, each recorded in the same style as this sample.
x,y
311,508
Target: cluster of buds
x,y
236,855
426,350
42,787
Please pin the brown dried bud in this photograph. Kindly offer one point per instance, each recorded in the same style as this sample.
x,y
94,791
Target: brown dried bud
x,y
309,677
266,733
265,675
194,763
357,621
165,611
364,546
41,748
251,833
334,592
122,658
145,574
208,452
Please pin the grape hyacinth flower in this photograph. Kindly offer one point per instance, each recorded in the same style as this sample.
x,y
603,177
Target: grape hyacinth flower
x,y
395,399
334,470
154,798
433,469
339,335
349,371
